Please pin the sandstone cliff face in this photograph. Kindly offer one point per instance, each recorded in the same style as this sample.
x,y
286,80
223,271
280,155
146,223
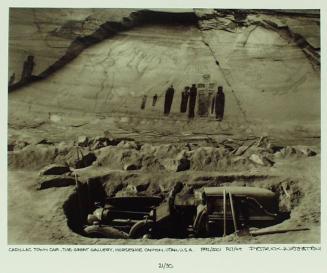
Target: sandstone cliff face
x,y
105,61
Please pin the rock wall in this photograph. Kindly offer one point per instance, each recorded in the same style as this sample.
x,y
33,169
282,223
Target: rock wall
x,y
105,61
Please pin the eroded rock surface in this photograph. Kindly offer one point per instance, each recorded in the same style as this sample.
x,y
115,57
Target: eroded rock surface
x,y
253,54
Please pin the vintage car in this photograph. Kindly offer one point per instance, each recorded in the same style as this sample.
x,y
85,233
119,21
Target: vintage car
x,y
211,211
232,209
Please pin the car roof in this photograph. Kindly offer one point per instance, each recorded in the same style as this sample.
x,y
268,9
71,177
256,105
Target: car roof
x,y
237,190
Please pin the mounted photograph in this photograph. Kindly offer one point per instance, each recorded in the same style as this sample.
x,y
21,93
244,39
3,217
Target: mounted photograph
x,y
164,126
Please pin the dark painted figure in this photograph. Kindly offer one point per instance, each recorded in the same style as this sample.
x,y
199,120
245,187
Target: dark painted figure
x,y
154,100
184,100
12,79
220,104
143,102
28,68
192,100
169,99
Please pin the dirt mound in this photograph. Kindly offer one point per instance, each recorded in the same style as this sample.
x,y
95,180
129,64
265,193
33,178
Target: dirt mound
x,y
32,157
128,155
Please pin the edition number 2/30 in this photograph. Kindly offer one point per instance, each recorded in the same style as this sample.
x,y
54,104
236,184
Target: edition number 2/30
x,y
165,266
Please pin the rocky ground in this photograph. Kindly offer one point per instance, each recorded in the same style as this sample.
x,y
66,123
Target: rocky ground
x,y
44,154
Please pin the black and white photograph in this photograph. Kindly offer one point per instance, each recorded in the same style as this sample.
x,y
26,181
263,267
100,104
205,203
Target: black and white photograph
x,y
156,126
153,126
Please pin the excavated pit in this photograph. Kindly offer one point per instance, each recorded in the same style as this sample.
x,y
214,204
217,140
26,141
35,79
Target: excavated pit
x,y
102,168
95,191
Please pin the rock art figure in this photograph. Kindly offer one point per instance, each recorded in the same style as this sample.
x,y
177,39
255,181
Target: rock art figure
x,y
213,104
12,79
192,100
169,99
144,101
154,100
184,100
28,68
220,104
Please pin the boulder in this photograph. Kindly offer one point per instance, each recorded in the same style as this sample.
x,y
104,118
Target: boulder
x,y
209,158
306,151
178,164
153,189
241,150
128,145
148,149
130,190
191,146
63,148
167,151
119,158
288,151
96,145
82,141
78,158
261,160
278,154
131,160
101,141
151,162
262,151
